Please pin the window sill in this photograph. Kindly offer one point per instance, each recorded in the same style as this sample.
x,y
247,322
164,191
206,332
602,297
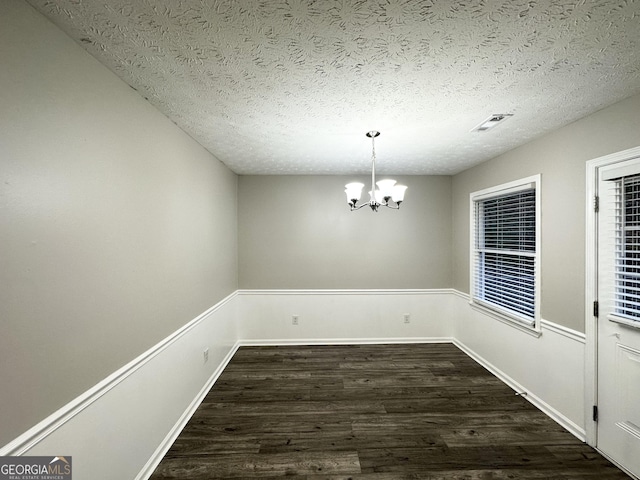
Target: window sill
x,y
623,321
506,319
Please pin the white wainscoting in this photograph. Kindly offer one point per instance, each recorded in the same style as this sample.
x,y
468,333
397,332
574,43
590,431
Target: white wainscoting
x,y
123,426
344,316
548,368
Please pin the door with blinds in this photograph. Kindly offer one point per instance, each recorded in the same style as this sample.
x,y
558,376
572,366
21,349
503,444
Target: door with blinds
x,y
618,316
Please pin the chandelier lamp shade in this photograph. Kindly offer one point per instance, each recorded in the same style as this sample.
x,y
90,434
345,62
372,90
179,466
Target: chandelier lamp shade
x,y
387,194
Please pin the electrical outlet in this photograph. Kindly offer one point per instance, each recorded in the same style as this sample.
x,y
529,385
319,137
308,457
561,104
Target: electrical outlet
x,y
407,318
205,355
294,319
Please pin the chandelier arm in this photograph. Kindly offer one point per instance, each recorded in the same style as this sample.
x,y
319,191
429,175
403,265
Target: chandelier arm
x,y
358,207
396,207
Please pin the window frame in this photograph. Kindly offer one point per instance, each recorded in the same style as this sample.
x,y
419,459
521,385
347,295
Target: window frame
x,y
532,326
615,174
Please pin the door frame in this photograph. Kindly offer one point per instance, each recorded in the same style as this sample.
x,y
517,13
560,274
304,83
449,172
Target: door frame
x,y
591,287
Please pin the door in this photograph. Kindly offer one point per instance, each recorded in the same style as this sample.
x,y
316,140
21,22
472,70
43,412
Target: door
x,y
618,322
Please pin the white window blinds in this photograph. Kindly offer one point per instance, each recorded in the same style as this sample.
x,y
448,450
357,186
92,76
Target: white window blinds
x,y
627,248
505,253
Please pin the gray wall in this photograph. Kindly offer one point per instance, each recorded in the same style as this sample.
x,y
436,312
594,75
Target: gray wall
x,y
560,157
298,232
116,228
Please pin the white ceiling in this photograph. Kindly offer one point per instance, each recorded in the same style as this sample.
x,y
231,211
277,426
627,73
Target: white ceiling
x,y
291,86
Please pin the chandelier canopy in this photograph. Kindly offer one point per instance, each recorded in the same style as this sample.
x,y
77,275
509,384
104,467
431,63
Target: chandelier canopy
x,y
388,194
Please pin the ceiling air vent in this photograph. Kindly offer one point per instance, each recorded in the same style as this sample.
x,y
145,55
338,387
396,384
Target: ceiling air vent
x,y
491,122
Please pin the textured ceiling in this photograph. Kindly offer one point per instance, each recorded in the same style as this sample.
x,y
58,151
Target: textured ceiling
x,y
291,86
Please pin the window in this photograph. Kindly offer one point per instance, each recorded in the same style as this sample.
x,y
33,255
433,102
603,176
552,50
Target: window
x,y
627,248
504,250
619,241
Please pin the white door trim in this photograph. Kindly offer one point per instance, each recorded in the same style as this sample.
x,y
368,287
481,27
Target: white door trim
x,y
591,287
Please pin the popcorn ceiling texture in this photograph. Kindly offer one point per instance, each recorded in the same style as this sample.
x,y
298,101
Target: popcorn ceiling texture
x,y
291,86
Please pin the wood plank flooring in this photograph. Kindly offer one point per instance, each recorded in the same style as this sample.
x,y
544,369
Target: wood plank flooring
x,y
420,411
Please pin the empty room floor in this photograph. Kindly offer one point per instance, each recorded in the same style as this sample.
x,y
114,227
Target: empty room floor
x,y
401,411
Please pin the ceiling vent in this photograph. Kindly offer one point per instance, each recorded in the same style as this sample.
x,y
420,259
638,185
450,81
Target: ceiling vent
x,y
491,122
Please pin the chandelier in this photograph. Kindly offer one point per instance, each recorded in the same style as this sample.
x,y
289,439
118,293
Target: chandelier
x,y
388,191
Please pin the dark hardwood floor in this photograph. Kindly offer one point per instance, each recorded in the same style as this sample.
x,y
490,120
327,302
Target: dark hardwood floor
x,y
421,411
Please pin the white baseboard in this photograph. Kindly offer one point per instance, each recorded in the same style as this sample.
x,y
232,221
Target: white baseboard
x,y
342,341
